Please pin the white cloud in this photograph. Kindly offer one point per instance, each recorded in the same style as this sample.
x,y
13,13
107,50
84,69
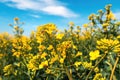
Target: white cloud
x,y
35,16
59,10
51,7
117,15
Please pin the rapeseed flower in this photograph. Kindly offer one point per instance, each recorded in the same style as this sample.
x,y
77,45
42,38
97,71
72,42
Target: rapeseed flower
x,y
98,76
43,55
8,69
77,63
78,54
105,25
59,36
85,25
107,44
61,60
50,47
87,65
71,24
53,59
110,16
43,64
94,55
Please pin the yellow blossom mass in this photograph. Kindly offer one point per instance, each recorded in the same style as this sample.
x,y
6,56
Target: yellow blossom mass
x,y
94,54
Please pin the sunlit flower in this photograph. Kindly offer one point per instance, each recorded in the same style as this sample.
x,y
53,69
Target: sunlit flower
x,y
59,36
41,47
98,76
107,44
43,64
110,16
85,25
77,63
74,47
87,65
78,54
48,71
44,55
71,24
94,54
16,18
17,54
96,69
61,60
8,69
105,25
50,47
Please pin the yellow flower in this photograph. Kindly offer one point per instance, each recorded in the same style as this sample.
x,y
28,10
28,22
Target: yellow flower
x,y
17,54
63,54
43,55
96,69
118,37
18,64
41,47
49,31
53,52
32,34
48,71
107,44
2,55
39,39
98,76
87,65
74,47
59,36
16,18
32,66
71,24
61,60
77,63
117,23
117,48
87,34
50,47
16,28
43,64
110,16
105,25
8,69
78,54
91,17
94,54
85,25
53,59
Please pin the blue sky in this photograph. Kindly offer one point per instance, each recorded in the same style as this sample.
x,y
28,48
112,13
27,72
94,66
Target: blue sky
x,y
37,12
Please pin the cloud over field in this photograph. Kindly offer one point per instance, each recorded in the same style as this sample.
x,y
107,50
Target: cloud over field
x,y
117,15
50,7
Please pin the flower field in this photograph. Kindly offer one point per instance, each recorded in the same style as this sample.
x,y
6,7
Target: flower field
x,y
87,52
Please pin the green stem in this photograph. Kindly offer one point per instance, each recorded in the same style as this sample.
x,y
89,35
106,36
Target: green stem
x,y
113,70
83,74
95,66
112,60
68,74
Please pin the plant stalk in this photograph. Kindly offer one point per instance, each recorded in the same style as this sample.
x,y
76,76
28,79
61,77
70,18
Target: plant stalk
x,y
68,74
113,70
